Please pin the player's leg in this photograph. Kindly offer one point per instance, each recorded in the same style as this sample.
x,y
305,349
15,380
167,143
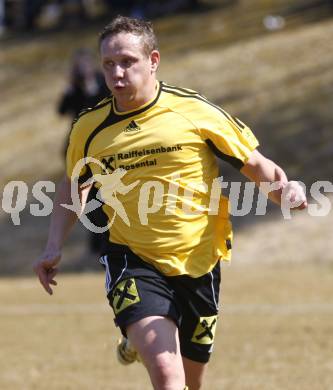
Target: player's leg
x,y
156,340
198,301
194,373
145,311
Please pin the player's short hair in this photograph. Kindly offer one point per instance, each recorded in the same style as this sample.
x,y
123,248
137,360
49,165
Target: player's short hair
x,y
141,28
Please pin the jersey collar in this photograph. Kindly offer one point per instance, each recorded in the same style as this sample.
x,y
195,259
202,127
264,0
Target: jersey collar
x,y
142,108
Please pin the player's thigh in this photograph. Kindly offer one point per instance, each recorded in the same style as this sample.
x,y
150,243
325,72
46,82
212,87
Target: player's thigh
x,y
198,302
156,340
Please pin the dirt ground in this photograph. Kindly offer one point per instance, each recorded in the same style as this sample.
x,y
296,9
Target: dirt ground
x,y
274,333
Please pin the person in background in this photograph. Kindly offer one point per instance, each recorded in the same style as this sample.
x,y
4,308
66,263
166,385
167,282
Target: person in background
x,y
86,85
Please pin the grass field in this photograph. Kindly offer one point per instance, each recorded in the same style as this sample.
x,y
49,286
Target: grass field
x,y
275,332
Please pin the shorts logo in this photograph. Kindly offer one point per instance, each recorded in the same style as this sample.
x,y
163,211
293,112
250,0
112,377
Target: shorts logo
x,y
205,331
125,294
109,163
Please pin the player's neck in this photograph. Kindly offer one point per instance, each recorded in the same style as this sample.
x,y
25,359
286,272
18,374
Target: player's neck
x,y
137,100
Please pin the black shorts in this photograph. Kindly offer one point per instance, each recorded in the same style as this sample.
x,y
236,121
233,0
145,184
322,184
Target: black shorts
x,y
135,290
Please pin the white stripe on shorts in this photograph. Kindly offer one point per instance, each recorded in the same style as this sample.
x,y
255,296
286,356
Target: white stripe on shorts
x,y
213,290
108,278
121,273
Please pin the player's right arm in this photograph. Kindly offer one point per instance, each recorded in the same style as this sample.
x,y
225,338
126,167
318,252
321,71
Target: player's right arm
x,y
62,221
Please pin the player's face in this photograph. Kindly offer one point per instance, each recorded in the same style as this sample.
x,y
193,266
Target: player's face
x,y
129,72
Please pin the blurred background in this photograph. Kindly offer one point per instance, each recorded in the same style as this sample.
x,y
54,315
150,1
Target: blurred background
x,y
268,62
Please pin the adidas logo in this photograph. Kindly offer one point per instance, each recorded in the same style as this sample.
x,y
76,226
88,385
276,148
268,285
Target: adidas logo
x,y
133,127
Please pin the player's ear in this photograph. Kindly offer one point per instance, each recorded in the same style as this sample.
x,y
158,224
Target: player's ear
x,y
154,60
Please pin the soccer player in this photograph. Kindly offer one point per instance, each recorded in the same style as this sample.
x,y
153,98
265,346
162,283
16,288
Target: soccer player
x,y
168,224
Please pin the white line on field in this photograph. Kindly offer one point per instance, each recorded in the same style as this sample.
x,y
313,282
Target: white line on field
x,y
279,309
228,309
54,308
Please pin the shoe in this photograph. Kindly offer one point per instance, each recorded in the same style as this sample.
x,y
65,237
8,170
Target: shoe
x,y
126,354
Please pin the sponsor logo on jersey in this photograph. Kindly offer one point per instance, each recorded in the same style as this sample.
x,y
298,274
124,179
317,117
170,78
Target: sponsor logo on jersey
x,y
109,164
114,161
149,152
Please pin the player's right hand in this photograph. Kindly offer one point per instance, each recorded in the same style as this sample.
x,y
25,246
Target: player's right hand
x,y
46,270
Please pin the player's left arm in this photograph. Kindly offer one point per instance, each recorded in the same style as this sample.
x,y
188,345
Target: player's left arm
x,y
260,169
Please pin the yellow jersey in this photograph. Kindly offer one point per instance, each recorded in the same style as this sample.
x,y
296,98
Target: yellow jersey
x,y
167,150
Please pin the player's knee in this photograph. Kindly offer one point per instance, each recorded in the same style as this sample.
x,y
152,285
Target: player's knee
x,y
167,373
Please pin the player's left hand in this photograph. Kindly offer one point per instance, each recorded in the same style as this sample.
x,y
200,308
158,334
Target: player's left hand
x,y
293,194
